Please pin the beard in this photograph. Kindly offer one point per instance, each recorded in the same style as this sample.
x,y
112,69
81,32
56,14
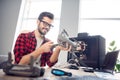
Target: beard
x,y
42,31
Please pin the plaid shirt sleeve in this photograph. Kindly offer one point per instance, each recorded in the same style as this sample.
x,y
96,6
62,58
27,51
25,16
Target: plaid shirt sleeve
x,y
19,48
45,59
23,46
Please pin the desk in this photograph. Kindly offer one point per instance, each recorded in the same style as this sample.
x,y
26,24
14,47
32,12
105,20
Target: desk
x,y
76,75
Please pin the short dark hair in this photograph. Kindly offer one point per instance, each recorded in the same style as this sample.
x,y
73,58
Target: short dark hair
x,y
46,14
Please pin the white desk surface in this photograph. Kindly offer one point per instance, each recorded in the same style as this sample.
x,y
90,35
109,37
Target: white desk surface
x,y
76,75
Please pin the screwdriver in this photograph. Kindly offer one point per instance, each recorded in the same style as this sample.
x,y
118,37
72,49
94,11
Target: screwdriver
x,y
59,72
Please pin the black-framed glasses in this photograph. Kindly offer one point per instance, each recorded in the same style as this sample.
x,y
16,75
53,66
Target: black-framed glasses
x,y
46,24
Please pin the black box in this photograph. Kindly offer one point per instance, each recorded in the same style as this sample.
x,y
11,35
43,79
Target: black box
x,y
94,53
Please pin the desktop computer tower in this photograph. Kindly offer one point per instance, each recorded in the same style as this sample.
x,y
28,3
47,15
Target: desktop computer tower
x,y
94,54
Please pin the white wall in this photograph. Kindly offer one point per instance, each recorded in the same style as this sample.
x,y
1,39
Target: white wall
x,y
9,10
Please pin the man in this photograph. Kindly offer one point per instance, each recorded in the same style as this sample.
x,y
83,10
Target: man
x,y
35,44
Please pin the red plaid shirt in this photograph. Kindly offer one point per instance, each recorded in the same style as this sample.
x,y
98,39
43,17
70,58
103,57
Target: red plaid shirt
x,y
25,44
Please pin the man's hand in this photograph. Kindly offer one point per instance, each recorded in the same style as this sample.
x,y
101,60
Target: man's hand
x,y
67,47
46,47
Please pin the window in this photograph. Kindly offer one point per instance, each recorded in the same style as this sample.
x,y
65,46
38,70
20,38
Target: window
x,y
101,17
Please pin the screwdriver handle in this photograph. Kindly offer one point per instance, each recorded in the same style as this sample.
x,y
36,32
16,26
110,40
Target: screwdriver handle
x,y
59,72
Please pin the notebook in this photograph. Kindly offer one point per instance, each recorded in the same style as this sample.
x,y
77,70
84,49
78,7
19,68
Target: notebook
x,y
109,62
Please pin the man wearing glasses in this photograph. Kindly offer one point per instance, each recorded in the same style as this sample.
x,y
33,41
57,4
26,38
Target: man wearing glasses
x,y
35,44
